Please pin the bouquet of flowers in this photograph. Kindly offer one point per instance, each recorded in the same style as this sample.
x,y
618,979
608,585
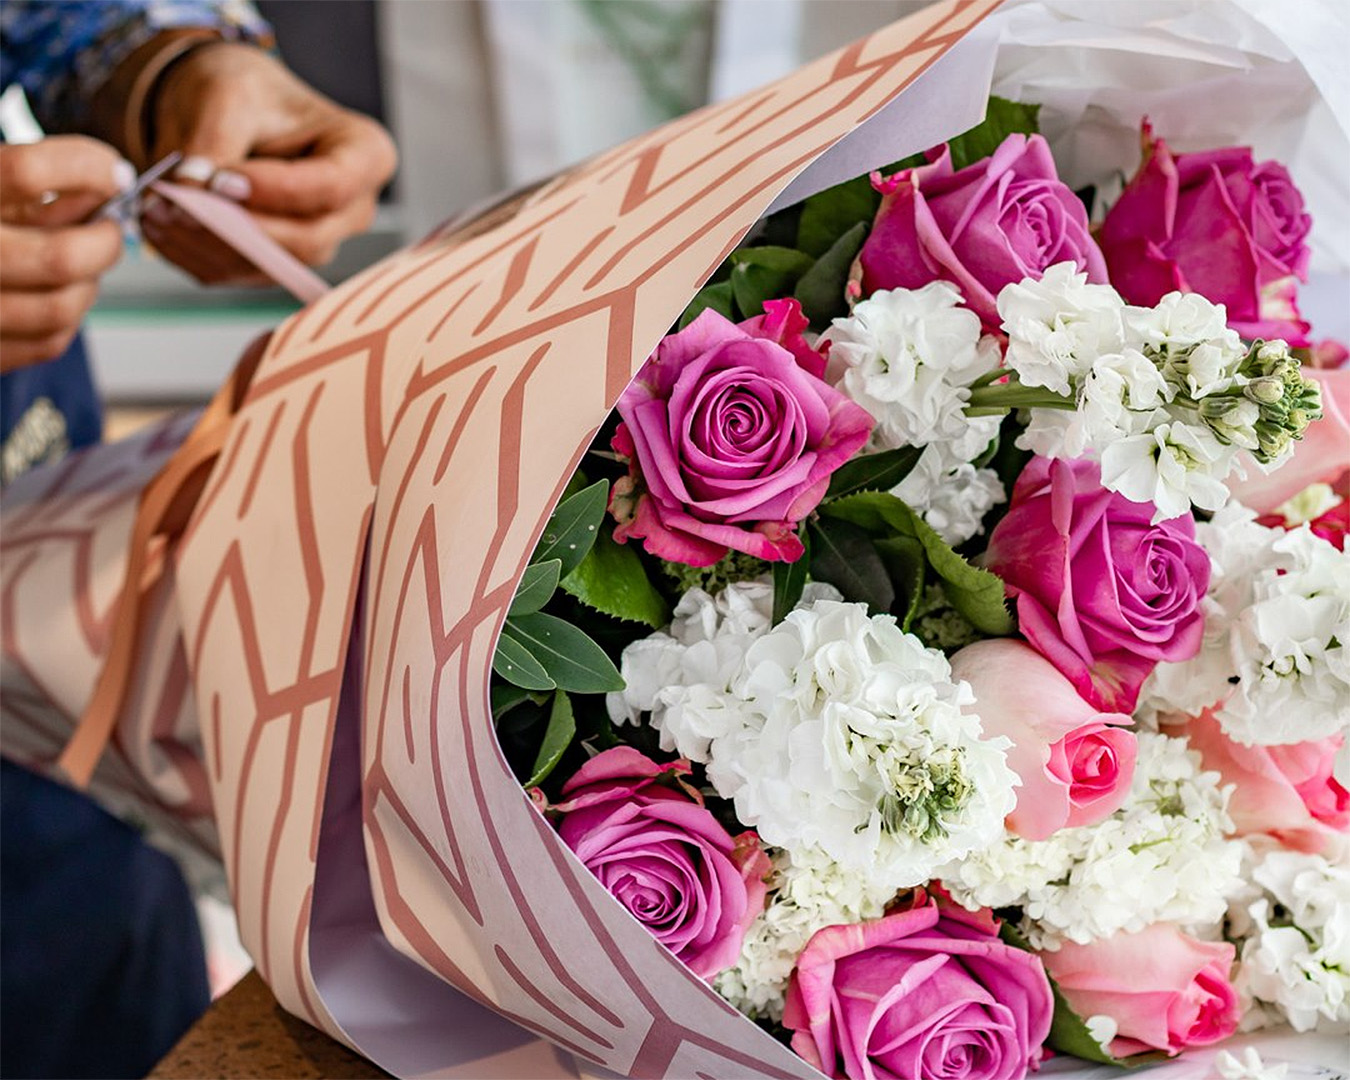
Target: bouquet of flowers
x,y
904,656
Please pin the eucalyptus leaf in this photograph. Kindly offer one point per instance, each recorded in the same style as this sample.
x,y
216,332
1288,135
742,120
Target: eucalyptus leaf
x,y
821,290
612,580
515,663
874,472
536,586
843,554
717,297
764,273
572,529
789,579
567,656
558,736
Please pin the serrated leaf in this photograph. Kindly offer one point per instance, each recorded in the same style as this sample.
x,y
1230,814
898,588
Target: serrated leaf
x,y
1001,119
905,563
515,663
536,586
975,593
572,529
764,273
569,658
611,579
821,290
717,297
829,214
843,555
873,472
789,579
558,736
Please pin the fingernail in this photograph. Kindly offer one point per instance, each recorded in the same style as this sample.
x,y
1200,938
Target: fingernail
x,y
232,185
124,174
195,168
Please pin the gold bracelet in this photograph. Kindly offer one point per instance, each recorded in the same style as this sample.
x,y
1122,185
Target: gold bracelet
x,y
134,122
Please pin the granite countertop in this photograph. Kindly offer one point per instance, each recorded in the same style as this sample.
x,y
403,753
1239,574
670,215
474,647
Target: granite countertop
x,y
246,1034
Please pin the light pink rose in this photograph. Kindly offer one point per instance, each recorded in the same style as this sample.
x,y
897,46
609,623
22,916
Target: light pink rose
x,y
731,438
645,834
1101,592
1164,989
1287,792
1075,763
995,222
1218,224
926,994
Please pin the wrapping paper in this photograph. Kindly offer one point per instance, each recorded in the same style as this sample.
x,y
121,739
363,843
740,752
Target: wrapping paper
x,y
333,607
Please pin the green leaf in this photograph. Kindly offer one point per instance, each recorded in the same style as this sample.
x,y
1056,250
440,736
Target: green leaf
x,y
828,215
975,593
572,529
906,566
562,728
821,290
789,579
873,472
717,297
1001,119
843,555
536,586
514,662
505,698
568,657
764,273
612,580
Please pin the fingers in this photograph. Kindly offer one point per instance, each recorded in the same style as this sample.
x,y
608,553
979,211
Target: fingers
x,y
196,250
37,258
351,159
316,240
62,163
38,326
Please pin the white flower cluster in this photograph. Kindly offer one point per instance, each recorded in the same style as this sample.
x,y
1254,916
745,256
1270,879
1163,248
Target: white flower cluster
x,y
1275,657
807,893
1294,959
834,731
1164,856
1166,397
909,358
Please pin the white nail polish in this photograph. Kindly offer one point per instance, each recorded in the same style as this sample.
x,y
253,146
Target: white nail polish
x,y
195,168
232,185
124,174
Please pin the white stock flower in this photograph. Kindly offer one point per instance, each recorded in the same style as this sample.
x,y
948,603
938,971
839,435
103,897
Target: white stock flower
x,y
1248,1067
952,499
1164,856
1191,338
1058,326
1172,466
910,356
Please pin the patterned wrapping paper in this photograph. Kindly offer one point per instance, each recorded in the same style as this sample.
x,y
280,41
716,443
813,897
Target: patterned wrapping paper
x,y
402,444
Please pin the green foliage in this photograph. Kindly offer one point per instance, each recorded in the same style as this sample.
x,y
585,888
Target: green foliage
x,y
568,657
612,579
903,558
829,214
718,297
562,728
821,290
515,663
536,586
764,273
874,472
844,555
1001,119
789,579
572,529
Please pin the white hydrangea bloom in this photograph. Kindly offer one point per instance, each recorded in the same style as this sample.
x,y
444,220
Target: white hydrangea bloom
x,y
1277,621
1164,856
851,738
1059,325
1294,963
806,894
909,356
952,499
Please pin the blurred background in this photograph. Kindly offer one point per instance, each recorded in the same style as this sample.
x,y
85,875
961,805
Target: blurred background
x,y
481,96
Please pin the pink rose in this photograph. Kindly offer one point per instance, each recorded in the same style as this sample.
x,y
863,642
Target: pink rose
x,y
926,994
731,437
647,837
1215,223
1101,592
993,223
1075,763
1287,792
1165,990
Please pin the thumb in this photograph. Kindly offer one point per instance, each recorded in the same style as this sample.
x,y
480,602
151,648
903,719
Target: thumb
x,y
64,164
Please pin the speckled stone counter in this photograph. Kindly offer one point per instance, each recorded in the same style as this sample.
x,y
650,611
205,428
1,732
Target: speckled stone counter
x,y
246,1034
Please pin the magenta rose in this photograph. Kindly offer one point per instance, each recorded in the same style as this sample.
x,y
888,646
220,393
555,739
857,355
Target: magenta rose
x,y
731,437
1075,763
1101,592
988,225
926,994
1165,990
650,841
1214,223
1285,791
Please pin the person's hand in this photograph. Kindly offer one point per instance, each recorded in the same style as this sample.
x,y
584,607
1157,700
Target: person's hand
x,y
50,263
309,170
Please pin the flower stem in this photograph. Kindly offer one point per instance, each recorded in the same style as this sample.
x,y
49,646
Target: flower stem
x,y
991,400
